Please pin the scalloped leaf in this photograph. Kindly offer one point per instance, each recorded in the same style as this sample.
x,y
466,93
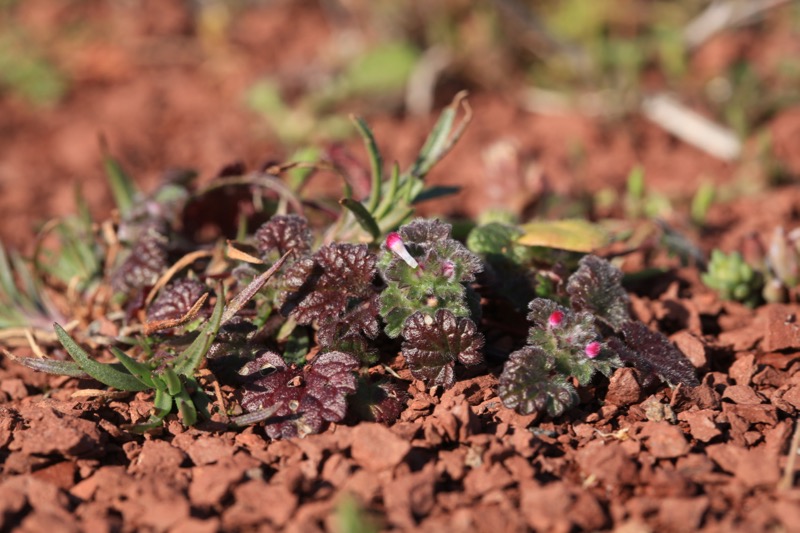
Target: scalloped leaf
x,y
445,265
176,300
596,287
302,399
433,344
333,286
528,384
144,265
284,233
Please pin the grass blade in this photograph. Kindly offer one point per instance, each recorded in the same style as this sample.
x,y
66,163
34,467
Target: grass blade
x,y
364,219
122,186
105,374
376,163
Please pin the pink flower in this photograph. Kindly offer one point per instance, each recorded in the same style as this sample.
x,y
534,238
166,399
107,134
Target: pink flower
x,y
592,349
395,243
448,269
555,319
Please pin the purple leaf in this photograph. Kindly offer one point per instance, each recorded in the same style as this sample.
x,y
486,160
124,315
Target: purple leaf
x,y
652,353
596,287
332,287
146,262
303,399
176,299
284,233
433,344
529,384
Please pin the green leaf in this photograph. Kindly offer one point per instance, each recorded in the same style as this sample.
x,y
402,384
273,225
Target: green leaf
x,y
389,200
186,407
122,186
442,138
363,217
50,366
435,192
574,235
163,405
172,380
105,374
188,361
140,371
376,164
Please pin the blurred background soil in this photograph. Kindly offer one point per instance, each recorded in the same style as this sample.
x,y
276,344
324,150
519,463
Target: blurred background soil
x,y
557,90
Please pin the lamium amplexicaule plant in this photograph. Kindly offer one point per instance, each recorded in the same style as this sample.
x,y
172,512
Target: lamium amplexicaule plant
x,y
300,325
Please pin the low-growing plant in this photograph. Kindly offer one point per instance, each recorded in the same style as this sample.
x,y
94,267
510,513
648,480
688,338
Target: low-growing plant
x,y
733,279
770,273
305,322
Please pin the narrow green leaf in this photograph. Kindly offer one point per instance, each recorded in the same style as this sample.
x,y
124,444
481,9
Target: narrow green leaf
x,y
9,288
105,374
163,405
188,361
364,219
186,407
441,139
376,163
50,366
434,192
122,186
140,371
172,380
255,417
389,200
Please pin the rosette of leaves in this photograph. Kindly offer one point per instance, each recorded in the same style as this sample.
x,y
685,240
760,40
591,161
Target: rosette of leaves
x,y
565,344
732,278
392,199
334,289
561,344
298,401
438,281
433,344
171,378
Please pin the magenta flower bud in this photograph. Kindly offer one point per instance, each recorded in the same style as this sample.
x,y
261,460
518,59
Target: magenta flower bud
x,y
395,243
555,319
592,349
448,269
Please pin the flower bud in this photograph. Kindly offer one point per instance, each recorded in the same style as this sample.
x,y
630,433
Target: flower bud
x,y
555,319
592,349
448,270
395,243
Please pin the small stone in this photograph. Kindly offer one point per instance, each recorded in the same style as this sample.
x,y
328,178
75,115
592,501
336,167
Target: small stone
x,y
664,440
375,447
